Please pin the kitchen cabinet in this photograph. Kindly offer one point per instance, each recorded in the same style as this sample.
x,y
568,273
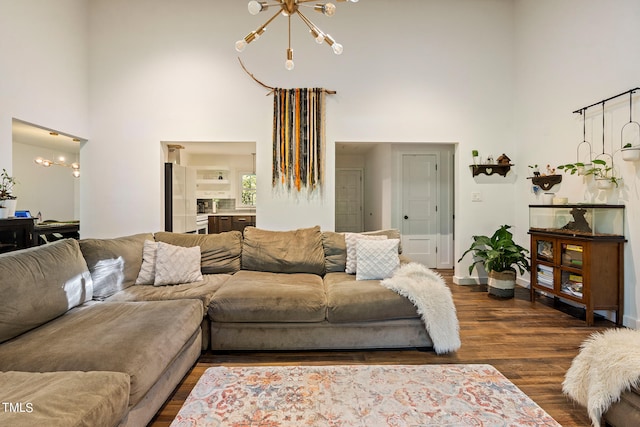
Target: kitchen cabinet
x,y
222,223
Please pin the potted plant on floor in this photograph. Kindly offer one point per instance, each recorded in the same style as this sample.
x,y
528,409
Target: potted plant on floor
x,y
500,256
7,199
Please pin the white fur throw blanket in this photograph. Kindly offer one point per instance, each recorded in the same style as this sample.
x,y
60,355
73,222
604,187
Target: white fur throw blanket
x,y
607,365
431,296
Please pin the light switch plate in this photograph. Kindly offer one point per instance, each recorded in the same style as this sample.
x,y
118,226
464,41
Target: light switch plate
x,y
476,196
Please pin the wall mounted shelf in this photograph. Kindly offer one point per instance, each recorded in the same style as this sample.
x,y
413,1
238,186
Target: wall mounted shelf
x,y
546,182
500,169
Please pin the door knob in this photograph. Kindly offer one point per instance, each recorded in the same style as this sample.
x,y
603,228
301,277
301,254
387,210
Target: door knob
x,y
406,217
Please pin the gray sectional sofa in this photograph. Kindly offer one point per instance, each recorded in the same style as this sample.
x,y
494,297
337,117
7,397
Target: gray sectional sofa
x,y
74,324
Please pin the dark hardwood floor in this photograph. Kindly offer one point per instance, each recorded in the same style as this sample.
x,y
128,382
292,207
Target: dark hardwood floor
x,y
532,344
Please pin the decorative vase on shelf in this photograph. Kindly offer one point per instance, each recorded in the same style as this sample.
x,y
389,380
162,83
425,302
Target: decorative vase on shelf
x,y
10,206
4,213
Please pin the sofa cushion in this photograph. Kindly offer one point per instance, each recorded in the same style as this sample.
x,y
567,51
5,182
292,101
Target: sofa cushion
x,y
377,259
335,248
351,300
138,338
35,289
220,253
202,290
254,296
63,399
114,263
295,251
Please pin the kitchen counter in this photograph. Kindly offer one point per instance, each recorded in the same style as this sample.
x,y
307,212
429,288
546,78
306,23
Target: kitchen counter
x,y
233,213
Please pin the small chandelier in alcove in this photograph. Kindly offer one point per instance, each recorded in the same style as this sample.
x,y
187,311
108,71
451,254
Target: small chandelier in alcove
x,y
289,8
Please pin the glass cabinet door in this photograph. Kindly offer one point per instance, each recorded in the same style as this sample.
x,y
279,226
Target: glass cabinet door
x,y
571,284
544,250
572,255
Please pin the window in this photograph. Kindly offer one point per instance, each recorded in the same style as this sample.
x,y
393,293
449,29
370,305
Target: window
x,y
247,189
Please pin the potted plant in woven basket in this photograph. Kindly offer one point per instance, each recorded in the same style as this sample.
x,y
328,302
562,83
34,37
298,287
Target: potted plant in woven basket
x,y
500,256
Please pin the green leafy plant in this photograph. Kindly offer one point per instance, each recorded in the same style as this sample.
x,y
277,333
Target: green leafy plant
x,y
498,253
6,186
599,169
474,153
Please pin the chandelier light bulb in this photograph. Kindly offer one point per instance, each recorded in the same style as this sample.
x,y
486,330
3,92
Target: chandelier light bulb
x,y
337,48
241,45
328,9
254,7
289,63
76,173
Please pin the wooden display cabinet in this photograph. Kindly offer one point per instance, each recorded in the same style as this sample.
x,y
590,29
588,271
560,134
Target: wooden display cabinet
x,y
588,270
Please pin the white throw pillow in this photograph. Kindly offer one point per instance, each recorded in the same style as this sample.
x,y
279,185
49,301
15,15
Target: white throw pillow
x,y
147,274
351,240
377,259
176,264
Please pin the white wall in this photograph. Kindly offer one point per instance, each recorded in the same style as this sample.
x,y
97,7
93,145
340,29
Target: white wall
x,y
44,67
168,71
570,54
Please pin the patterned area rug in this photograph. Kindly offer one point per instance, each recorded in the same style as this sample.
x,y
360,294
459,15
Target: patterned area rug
x,y
359,395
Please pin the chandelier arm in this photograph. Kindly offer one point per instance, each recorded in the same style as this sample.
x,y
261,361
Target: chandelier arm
x,y
310,24
269,21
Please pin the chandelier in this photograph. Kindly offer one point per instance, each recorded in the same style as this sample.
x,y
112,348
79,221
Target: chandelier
x,y
75,166
289,8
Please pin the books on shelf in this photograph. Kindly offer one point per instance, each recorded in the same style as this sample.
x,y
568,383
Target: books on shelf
x,y
545,275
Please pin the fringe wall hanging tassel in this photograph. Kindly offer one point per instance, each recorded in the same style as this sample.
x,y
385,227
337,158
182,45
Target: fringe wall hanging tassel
x,y
298,139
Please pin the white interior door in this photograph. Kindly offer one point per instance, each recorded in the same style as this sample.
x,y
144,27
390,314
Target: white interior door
x,y
349,212
420,208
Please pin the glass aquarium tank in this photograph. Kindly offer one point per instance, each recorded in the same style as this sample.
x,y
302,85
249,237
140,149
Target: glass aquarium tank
x,y
589,220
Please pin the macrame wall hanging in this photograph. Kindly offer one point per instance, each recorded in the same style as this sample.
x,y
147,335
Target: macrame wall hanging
x,y
298,139
298,157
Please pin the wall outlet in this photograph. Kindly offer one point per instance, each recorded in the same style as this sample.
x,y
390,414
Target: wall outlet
x,y
476,196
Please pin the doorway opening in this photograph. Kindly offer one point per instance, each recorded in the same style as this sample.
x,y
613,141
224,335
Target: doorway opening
x,y
408,186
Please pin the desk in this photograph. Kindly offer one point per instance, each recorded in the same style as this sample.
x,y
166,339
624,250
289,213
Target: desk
x,y
48,232
15,233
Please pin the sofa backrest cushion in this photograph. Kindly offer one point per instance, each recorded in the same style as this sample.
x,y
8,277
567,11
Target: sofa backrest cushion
x,y
295,251
114,263
335,247
40,284
220,253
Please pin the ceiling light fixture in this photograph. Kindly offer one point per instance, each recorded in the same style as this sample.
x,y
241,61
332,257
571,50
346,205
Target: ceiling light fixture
x,y
46,163
289,8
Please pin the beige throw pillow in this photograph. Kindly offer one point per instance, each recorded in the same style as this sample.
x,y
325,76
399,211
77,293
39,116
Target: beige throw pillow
x,y
147,274
377,259
175,264
351,239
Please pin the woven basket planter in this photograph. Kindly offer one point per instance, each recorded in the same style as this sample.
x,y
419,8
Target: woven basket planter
x,y
502,283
